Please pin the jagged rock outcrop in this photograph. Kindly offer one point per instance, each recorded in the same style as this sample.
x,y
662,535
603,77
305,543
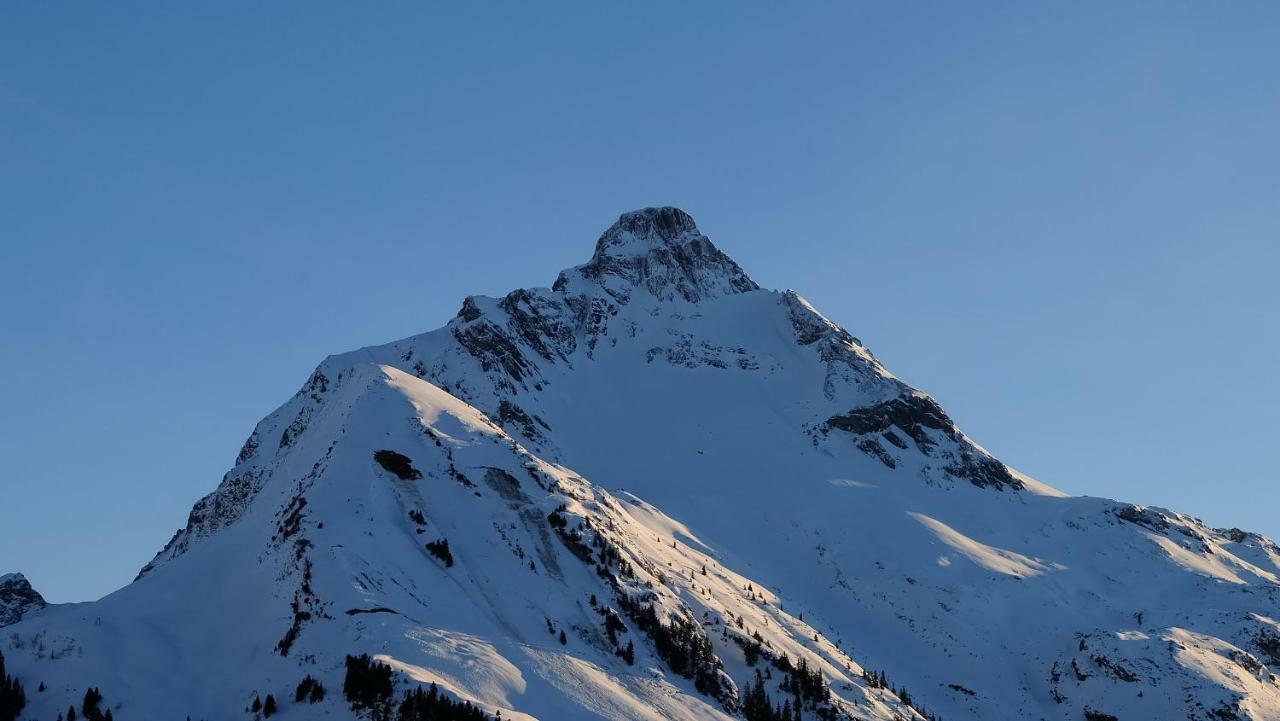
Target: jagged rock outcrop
x,y
660,251
17,598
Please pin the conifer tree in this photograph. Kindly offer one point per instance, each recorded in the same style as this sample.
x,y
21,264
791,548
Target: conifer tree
x,y
89,709
309,690
12,696
419,705
367,684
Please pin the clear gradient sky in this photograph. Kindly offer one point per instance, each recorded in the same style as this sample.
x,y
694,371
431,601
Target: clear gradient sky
x,y
1060,219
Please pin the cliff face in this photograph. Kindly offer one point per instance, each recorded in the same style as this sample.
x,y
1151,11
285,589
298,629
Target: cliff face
x,y
17,598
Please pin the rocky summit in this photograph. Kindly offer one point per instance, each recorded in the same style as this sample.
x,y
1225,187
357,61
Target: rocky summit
x,y
17,598
653,490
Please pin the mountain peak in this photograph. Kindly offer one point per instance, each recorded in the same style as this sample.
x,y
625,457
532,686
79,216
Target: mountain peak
x,y
17,598
661,251
646,227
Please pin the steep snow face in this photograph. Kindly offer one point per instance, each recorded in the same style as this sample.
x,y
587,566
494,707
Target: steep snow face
x,y
653,414
17,598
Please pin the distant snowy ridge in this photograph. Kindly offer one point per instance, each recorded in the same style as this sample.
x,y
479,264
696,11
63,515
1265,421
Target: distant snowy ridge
x,y
658,491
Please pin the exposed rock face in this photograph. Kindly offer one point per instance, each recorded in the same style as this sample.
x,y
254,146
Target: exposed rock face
x,y
921,419
17,598
494,348
660,250
914,415
398,464
514,420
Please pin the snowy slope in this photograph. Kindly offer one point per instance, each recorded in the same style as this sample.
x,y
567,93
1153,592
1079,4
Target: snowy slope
x,y
652,414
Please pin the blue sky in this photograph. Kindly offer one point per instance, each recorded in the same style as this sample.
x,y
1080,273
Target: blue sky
x,y
1059,219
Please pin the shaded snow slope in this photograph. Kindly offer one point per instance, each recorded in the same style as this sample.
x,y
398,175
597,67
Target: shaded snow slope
x,y
652,414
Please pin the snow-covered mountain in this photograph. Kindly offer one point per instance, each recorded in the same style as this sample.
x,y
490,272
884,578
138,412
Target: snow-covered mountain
x,y
658,491
17,598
